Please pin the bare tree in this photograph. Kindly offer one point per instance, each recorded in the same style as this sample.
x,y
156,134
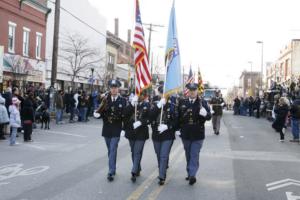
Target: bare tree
x,y
79,56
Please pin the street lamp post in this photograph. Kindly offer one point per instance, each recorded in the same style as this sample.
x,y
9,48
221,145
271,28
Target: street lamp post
x,y
251,82
92,69
262,62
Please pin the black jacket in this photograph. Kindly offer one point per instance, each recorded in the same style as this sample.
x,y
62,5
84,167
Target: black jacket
x,y
216,105
295,109
113,116
170,118
281,112
143,115
27,111
191,122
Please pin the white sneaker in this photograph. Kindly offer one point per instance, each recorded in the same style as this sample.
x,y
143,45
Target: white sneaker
x,y
281,140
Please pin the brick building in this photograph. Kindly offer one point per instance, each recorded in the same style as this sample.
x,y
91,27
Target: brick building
x,y
23,33
249,84
120,57
287,66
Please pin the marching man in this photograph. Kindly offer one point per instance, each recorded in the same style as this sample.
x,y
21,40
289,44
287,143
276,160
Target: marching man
x,y
193,113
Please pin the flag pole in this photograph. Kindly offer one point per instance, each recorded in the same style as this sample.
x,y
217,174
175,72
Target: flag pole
x,y
135,106
162,107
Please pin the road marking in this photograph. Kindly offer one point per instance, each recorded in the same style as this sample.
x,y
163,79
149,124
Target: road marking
x,y
254,155
283,185
142,188
14,170
154,194
64,133
282,181
290,196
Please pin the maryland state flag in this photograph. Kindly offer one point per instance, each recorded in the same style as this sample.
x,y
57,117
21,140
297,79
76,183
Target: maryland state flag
x,y
200,83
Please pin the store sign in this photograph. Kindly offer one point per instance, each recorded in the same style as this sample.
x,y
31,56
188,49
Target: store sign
x,y
28,69
1,63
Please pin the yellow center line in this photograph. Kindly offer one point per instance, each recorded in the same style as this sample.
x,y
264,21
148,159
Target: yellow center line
x,y
135,195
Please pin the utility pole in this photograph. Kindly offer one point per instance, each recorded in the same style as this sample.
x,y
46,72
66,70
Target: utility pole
x,y
149,44
55,43
150,35
54,53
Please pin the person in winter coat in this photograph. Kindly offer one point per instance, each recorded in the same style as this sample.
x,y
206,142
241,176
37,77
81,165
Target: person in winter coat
x,y
281,111
27,116
15,120
295,119
257,103
4,119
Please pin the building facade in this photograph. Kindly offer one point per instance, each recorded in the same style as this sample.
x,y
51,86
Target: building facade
x,y
249,84
90,31
287,67
23,35
120,58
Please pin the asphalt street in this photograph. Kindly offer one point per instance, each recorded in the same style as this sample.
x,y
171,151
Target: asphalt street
x,y
69,162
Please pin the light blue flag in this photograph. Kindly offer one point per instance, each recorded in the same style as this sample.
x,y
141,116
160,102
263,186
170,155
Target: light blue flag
x,y
173,73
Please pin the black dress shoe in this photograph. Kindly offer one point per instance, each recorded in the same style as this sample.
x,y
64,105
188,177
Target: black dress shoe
x,y
133,177
161,181
187,178
110,177
138,174
192,181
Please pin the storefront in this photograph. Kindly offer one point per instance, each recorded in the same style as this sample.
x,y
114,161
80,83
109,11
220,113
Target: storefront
x,y
22,72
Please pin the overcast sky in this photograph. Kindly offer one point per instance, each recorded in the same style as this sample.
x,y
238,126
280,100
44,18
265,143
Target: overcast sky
x,y
219,36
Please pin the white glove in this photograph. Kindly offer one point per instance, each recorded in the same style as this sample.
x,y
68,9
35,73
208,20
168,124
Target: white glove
x,y
162,128
137,124
212,110
178,133
134,100
222,104
161,103
96,115
122,133
203,112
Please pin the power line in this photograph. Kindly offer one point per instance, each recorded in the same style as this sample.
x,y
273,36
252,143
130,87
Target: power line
x,y
80,20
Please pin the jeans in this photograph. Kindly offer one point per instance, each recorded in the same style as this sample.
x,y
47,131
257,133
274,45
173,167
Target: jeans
x,y
112,148
59,115
192,151
162,150
83,111
13,136
72,112
295,128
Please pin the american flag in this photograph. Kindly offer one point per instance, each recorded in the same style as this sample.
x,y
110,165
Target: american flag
x,y
142,74
190,80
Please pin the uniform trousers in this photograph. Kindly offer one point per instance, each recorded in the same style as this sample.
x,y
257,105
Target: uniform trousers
x,y
137,147
216,122
192,151
162,150
112,148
